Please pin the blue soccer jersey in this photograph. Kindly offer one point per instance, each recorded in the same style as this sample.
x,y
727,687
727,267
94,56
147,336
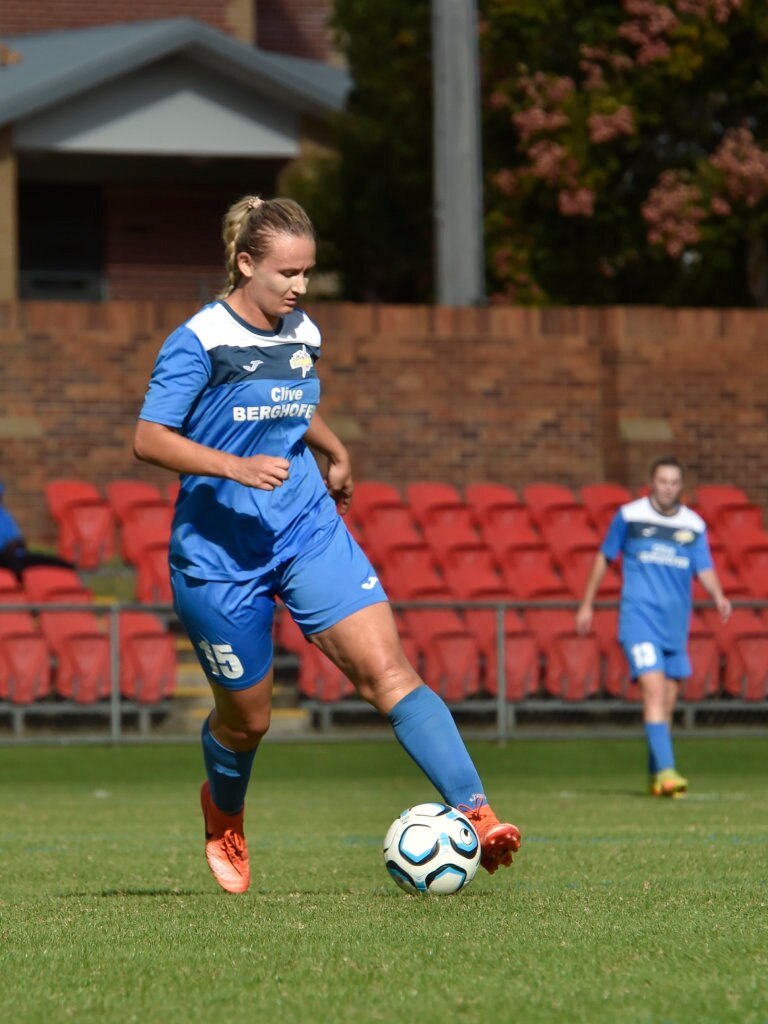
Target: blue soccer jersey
x,y
661,555
227,385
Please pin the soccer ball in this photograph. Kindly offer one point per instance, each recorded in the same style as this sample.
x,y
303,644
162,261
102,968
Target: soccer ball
x,y
431,848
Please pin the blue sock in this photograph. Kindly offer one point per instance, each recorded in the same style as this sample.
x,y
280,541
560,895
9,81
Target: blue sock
x,y
425,728
659,741
228,772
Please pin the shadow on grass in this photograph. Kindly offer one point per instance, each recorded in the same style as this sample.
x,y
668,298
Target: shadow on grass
x,y
116,893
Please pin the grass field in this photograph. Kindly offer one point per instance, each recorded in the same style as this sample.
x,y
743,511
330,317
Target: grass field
x,y
619,908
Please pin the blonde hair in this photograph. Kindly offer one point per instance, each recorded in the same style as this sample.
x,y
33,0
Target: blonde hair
x,y
249,226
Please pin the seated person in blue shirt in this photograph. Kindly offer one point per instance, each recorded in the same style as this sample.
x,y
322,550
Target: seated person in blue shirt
x,y
14,553
232,407
663,544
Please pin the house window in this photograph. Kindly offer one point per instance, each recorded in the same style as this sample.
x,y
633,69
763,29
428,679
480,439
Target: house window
x,y
60,241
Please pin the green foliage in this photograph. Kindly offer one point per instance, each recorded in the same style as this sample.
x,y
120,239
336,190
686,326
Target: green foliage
x,y
618,909
568,210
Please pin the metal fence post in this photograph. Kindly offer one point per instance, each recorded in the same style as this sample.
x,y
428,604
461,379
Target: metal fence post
x,y
501,681
115,719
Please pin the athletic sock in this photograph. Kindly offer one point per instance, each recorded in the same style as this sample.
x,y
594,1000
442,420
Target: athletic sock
x,y
228,772
426,730
659,740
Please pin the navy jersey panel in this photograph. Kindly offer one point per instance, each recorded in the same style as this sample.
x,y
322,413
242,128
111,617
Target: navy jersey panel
x,y
227,385
660,556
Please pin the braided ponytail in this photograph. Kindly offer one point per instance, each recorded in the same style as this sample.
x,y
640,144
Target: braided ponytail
x,y
249,225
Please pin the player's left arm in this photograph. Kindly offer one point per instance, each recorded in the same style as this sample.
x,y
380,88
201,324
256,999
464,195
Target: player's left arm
x,y
711,584
338,475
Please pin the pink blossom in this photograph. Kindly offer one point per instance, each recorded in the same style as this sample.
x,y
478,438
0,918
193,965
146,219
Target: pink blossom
x,y
498,99
673,212
548,161
535,120
647,29
578,202
720,207
505,181
720,9
743,165
605,127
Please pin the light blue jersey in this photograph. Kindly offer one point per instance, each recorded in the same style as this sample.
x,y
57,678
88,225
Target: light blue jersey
x,y
227,385
661,555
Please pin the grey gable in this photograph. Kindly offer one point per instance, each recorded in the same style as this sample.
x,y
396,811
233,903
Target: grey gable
x,y
57,66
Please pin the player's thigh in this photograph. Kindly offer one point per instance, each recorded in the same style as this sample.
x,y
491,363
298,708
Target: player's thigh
x,y
365,646
229,626
329,580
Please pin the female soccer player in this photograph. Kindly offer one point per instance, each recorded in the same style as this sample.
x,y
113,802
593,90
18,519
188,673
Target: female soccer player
x,y
232,407
664,545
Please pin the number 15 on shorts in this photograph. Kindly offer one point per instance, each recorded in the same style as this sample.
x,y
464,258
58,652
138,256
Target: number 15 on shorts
x,y
221,660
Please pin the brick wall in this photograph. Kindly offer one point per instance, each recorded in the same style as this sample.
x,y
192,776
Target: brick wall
x,y
298,27
507,394
17,18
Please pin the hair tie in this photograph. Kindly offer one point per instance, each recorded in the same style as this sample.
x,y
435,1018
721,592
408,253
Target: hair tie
x,y
254,202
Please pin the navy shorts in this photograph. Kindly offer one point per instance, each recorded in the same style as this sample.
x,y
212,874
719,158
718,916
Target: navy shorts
x,y
648,656
230,623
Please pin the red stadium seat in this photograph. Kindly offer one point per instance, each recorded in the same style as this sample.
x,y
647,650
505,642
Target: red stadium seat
x,y
711,497
287,634
370,494
705,665
576,568
153,578
742,622
172,491
543,498
572,667
124,495
319,679
739,516
87,534
144,526
487,498
451,664
522,658
25,664
471,571
409,570
561,541
616,674
530,573
386,526
147,658
458,531
426,498
60,494
602,500
567,519
82,655
53,583
10,589
746,673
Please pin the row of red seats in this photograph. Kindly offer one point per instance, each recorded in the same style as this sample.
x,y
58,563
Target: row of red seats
x,y
68,653
88,522
544,656
493,543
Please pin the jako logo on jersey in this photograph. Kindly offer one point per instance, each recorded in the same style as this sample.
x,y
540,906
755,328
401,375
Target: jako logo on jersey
x,y
254,365
301,360
683,536
370,583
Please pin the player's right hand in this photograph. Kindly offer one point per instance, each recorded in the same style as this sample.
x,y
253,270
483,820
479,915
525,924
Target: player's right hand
x,y
584,619
264,472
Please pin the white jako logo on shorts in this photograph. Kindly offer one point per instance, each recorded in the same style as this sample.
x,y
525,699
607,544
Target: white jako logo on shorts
x,y
370,583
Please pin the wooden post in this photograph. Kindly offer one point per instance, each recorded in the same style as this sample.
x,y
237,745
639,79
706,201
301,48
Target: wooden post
x,y
9,234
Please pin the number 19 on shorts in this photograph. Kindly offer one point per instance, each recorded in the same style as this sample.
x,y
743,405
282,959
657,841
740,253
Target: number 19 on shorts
x,y
221,660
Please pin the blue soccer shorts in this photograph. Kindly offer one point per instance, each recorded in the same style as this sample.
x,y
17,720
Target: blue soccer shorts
x,y
230,623
648,656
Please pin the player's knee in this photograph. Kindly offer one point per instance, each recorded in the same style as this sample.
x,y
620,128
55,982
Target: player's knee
x,y
247,731
383,678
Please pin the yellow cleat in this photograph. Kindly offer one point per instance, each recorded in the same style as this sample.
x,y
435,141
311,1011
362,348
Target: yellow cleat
x,y
668,783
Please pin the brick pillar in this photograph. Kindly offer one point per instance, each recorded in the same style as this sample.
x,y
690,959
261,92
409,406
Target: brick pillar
x,y
240,19
9,245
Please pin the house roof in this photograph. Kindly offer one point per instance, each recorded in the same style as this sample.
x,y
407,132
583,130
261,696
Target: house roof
x,y
57,66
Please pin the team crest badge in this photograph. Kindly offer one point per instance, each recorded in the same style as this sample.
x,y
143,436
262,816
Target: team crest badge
x,y
301,360
683,536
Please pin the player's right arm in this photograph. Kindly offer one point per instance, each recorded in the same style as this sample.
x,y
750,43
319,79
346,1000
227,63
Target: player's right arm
x,y
611,546
181,373
164,446
585,613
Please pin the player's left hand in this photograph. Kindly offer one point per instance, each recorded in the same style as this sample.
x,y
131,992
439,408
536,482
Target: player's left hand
x,y
724,608
339,482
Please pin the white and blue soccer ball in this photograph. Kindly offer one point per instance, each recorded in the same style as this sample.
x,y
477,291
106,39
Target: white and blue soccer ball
x,y
431,848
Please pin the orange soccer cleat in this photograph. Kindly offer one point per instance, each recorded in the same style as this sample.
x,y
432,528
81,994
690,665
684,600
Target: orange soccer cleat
x,y
498,840
225,847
